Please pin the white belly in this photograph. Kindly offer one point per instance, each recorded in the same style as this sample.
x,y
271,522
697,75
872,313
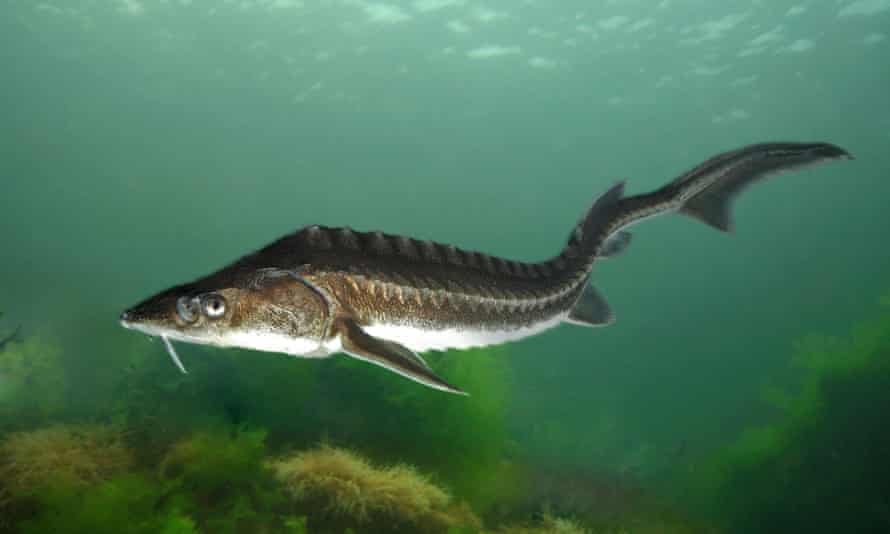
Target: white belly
x,y
271,342
424,339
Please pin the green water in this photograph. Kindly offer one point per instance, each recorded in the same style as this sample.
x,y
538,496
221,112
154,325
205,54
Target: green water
x,y
148,142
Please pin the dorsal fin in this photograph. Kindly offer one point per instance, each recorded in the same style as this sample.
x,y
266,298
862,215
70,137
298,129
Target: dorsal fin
x,y
583,236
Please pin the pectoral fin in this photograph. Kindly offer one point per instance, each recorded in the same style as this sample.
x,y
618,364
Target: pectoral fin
x,y
390,355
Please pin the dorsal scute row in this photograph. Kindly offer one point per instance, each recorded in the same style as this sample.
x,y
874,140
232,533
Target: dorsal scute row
x,y
380,244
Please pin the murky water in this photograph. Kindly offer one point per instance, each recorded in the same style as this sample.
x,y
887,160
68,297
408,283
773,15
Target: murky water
x,y
149,142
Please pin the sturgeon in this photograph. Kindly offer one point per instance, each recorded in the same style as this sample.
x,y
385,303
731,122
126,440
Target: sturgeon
x,y
386,298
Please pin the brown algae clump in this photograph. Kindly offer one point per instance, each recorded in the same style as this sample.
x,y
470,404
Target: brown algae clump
x,y
350,489
67,454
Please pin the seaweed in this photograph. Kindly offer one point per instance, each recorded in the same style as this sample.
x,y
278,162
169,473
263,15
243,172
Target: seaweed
x,y
350,492
78,454
822,465
70,456
16,335
82,479
129,503
462,440
33,384
548,524
219,478
197,447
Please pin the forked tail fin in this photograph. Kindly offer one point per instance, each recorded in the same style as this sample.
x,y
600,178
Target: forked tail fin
x,y
705,193
714,184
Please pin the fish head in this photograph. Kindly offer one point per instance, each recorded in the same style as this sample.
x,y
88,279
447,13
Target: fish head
x,y
265,310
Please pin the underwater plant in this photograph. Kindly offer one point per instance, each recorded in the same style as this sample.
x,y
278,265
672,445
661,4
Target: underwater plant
x,y
69,458
33,384
465,442
548,524
823,465
77,455
85,481
354,493
16,335
129,503
214,459
218,477
273,391
596,500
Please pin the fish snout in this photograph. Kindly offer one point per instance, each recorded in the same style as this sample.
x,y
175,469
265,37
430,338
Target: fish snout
x,y
125,319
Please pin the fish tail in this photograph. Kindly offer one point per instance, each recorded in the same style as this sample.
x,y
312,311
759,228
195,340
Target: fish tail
x,y
706,193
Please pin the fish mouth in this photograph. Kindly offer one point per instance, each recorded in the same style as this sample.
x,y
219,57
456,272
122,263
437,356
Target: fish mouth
x,y
129,321
126,320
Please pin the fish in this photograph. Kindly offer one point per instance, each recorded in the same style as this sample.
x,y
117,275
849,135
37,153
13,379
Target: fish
x,y
385,299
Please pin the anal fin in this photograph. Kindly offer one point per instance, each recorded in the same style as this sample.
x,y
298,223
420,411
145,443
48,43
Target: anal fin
x,y
591,309
389,355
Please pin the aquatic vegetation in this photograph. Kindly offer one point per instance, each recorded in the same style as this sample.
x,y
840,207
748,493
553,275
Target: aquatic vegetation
x,y
222,480
601,501
214,459
280,393
33,383
69,458
824,466
218,477
12,337
294,525
76,455
130,503
83,480
159,406
549,524
466,444
464,441
352,491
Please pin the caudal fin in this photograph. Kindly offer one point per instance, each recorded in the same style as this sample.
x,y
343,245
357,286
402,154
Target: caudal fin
x,y
723,177
705,193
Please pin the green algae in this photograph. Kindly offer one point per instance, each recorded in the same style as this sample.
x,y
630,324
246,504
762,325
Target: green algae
x,y
125,504
34,385
823,464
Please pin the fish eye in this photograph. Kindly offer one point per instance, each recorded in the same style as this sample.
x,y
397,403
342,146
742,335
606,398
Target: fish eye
x,y
214,305
185,308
